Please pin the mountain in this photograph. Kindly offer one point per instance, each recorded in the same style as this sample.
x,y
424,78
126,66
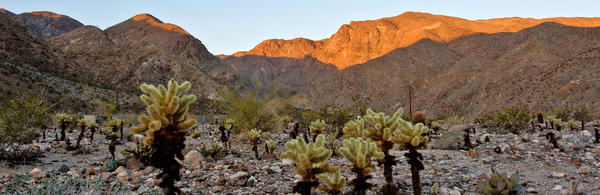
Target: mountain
x,y
6,12
359,42
28,62
129,66
145,30
47,24
543,67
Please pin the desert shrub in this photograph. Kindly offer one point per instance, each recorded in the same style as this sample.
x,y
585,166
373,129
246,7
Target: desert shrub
x,y
582,115
15,155
562,113
252,109
419,117
21,117
215,151
449,140
513,118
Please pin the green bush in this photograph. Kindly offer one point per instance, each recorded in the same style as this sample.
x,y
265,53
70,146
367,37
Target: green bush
x,y
562,113
513,118
214,152
252,109
21,117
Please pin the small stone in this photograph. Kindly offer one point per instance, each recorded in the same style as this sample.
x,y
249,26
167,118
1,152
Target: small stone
x,y
586,133
37,173
251,182
556,174
238,175
287,162
532,190
473,153
267,156
134,164
274,169
557,188
584,170
525,137
90,172
64,169
193,160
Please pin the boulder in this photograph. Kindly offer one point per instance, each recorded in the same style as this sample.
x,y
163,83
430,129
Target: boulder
x,y
37,173
134,164
193,160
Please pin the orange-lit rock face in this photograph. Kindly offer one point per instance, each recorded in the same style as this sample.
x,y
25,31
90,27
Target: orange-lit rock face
x,y
359,42
47,14
156,22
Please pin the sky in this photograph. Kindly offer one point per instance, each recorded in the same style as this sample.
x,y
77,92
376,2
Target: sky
x,y
228,26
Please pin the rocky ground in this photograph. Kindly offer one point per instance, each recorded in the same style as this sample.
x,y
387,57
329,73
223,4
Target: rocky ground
x,y
542,169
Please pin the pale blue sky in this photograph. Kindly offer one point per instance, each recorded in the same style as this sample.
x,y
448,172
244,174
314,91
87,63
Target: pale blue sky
x,y
228,26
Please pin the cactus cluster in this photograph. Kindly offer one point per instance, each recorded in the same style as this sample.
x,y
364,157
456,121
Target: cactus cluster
x,y
83,124
317,127
63,120
500,184
254,136
165,127
571,124
310,159
334,182
92,126
271,145
359,152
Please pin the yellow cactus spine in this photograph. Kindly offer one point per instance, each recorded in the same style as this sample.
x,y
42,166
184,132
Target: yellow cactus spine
x,y
359,151
165,126
334,182
310,161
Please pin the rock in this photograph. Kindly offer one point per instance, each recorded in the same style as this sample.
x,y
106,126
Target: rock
x,y
522,147
274,169
193,160
473,153
557,174
238,175
267,156
251,182
134,164
557,188
525,137
532,190
37,173
584,170
287,162
64,169
42,146
586,133
90,172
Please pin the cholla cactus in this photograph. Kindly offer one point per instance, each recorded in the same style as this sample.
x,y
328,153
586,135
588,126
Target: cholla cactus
x,y
92,126
359,152
165,128
411,137
557,122
310,161
436,125
500,184
83,125
63,120
228,124
334,182
572,125
115,124
271,145
317,127
380,130
254,136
